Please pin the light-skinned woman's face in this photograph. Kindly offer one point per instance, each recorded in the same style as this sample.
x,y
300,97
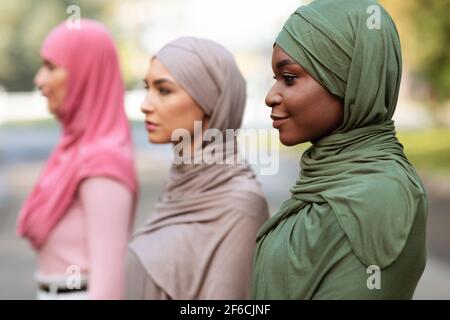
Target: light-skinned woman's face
x,y
52,82
302,109
167,106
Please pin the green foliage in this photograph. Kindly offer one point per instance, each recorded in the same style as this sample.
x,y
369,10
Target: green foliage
x,y
428,150
432,27
23,27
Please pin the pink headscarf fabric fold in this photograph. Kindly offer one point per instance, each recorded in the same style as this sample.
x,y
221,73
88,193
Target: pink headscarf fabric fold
x,y
96,138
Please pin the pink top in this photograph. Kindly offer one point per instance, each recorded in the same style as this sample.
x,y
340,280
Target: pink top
x,y
93,235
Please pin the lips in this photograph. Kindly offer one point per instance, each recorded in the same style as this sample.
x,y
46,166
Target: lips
x,y
150,126
278,120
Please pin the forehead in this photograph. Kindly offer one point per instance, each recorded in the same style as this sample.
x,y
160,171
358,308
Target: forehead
x,y
281,59
158,70
279,54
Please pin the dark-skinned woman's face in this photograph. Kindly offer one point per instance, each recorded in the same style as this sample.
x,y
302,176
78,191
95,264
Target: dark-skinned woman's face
x,y
302,109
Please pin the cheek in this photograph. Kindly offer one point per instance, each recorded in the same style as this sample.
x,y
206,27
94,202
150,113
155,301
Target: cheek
x,y
175,114
304,104
182,114
317,115
193,113
307,102
58,86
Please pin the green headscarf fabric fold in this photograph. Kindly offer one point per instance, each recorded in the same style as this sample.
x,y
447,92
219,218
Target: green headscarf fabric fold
x,y
360,171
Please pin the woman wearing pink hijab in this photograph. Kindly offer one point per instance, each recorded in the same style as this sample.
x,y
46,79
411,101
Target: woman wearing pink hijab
x,y
79,215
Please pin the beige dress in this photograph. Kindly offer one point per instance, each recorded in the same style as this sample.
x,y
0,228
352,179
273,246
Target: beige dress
x,y
207,259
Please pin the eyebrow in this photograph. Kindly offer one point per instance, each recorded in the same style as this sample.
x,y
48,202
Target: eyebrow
x,y
284,62
162,80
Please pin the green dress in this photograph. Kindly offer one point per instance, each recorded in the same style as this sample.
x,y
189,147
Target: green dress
x,y
358,205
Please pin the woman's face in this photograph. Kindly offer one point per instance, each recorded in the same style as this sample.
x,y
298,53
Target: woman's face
x,y
52,82
167,106
302,109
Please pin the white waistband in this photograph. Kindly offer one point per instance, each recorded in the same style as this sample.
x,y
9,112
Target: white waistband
x,y
61,280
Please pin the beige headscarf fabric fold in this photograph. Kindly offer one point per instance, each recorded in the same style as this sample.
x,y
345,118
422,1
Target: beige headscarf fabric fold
x,y
198,244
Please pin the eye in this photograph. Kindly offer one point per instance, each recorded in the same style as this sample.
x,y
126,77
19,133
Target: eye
x,y
48,65
289,79
164,91
146,86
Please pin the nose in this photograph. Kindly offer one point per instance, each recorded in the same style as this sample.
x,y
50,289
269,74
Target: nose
x,y
40,78
147,106
273,98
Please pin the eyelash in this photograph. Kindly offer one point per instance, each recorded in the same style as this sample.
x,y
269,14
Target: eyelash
x,y
49,66
162,91
288,79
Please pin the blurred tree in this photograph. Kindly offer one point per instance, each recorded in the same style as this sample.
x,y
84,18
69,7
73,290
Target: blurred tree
x,y
432,26
424,28
23,27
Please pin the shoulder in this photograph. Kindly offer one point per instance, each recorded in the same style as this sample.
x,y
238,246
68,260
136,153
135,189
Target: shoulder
x,y
250,202
103,185
100,193
386,183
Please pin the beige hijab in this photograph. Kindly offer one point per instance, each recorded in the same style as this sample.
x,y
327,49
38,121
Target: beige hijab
x,y
199,242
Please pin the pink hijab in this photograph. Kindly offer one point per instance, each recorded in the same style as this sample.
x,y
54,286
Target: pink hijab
x,y
96,138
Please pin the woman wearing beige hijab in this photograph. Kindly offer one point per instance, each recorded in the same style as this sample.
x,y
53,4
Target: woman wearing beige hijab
x,y
198,244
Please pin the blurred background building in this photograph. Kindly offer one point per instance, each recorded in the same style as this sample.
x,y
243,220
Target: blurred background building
x,y
248,28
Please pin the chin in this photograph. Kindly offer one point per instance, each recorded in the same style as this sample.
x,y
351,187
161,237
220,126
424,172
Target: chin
x,y
291,141
51,109
155,139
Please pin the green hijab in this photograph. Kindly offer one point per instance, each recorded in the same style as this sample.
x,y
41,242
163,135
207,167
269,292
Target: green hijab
x,y
360,171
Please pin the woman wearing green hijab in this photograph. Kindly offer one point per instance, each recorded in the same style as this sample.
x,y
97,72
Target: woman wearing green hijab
x,y
354,227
